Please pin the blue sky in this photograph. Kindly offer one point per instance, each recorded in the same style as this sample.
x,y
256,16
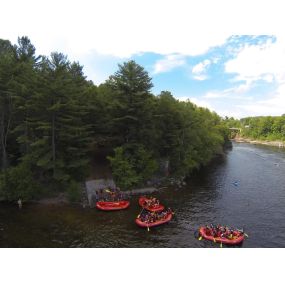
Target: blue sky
x,y
235,78
198,54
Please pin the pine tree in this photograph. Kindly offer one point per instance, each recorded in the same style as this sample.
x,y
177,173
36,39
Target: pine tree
x,y
60,137
7,61
25,85
132,117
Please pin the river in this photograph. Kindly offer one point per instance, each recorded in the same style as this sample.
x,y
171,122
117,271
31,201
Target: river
x,y
244,189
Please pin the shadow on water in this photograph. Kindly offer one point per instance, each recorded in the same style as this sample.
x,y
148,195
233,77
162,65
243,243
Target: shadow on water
x,y
255,202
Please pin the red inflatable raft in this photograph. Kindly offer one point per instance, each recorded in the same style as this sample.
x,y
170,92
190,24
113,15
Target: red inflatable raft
x,y
237,238
156,223
155,208
111,206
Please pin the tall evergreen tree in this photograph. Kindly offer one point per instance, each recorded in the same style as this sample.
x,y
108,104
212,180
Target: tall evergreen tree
x,y
60,137
7,70
25,85
132,117
49,114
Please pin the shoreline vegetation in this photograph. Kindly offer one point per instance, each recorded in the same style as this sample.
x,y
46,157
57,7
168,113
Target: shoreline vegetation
x,y
266,130
53,121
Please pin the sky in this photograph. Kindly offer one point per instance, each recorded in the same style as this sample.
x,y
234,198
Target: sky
x,y
228,56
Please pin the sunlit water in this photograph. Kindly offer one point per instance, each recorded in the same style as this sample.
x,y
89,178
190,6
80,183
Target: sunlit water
x,y
244,189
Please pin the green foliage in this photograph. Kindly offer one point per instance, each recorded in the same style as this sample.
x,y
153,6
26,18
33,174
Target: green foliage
x,y
122,169
188,136
132,165
43,115
264,128
19,182
7,106
51,117
73,192
141,160
232,122
131,88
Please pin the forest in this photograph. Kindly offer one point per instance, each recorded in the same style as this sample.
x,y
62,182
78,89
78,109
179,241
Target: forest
x,y
52,119
271,128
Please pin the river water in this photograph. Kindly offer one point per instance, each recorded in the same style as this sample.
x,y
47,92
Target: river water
x,y
243,189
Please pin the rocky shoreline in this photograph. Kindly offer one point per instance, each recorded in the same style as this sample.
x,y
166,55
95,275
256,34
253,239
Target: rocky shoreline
x,y
251,141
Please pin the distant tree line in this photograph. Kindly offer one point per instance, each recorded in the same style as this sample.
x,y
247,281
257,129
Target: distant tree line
x,y
270,128
51,117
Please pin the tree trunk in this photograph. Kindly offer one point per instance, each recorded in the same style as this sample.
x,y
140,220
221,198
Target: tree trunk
x,y
53,143
3,143
26,133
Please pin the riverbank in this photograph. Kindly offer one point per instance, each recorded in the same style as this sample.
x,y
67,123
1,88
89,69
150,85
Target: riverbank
x,y
252,141
60,199
208,197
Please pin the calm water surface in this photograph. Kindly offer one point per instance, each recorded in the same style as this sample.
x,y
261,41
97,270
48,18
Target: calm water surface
x,y
245,189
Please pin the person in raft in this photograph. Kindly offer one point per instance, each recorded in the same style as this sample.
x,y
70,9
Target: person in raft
x,y
101,195
118,193
222,231
144,215
113,194
151,217
151,202
148,202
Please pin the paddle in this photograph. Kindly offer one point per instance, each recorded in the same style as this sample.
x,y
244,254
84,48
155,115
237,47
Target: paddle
x,y
242,231
140,213
197,235
245,234
146,222
147,226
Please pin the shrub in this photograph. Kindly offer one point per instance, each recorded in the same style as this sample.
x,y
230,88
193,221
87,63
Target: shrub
x,y
122,169
73,192
132,165
18,182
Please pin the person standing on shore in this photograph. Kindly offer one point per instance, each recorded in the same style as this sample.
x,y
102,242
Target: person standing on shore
x,y
20,204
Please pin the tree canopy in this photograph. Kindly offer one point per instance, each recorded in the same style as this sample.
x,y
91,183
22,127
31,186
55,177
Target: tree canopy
x,y
262,127
51,117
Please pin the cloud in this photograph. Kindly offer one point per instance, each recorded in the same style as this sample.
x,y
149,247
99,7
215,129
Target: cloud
x,y
265,61
200,77
228,103
215,60
118,28
197,101
124,28
199,70
201,67
215,95
274,105
242,88
236,92
99,67
168,63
